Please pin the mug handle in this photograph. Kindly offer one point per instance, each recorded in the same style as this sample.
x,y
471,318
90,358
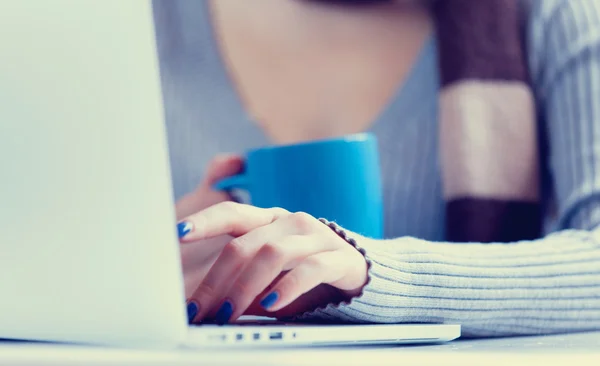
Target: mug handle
x,y
239,181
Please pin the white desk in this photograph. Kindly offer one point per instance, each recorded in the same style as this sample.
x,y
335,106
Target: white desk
x,y
575,349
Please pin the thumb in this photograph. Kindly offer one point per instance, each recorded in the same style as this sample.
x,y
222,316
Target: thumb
x,y
203,196
222,166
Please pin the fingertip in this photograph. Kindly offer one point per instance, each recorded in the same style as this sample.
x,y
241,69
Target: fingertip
x,y
268,301
184,228
223,166
224,313
192,311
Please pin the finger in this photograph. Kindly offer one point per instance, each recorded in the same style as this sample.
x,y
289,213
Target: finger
x,y
327,267
223,166
224,218
265,267
197,200
232,260
198,259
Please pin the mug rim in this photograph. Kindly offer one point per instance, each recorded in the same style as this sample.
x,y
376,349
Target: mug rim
x,y
355,137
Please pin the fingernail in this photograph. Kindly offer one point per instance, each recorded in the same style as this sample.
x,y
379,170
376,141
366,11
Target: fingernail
x,y
192,310
184,228
270,300
224,313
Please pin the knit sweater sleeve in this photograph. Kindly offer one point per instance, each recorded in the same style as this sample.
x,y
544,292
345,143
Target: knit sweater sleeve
x,y
544,286
536,287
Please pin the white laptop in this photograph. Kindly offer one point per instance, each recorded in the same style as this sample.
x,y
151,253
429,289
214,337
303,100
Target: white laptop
x,y
88,248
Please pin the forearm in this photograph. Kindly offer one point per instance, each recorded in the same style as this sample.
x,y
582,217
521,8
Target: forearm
x,y
546,286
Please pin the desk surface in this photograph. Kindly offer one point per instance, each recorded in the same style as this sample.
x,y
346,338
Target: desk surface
x,y
580,349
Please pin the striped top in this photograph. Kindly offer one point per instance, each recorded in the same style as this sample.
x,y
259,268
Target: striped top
x,y
543,286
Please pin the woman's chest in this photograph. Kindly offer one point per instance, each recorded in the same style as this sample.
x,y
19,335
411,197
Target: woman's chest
x,y
304,71
407,134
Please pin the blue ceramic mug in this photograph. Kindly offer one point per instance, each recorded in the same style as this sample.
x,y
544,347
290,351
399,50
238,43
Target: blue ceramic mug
x,y
337,179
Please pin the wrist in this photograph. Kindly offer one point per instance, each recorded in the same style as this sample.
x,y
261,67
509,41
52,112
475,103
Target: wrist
x,y
361,263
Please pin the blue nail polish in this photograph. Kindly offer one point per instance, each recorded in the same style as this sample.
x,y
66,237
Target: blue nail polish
x,y
224,313
192,310
184,228
270,300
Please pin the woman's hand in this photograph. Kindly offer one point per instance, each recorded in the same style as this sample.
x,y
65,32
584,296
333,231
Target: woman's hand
x,y
195,262
284,262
